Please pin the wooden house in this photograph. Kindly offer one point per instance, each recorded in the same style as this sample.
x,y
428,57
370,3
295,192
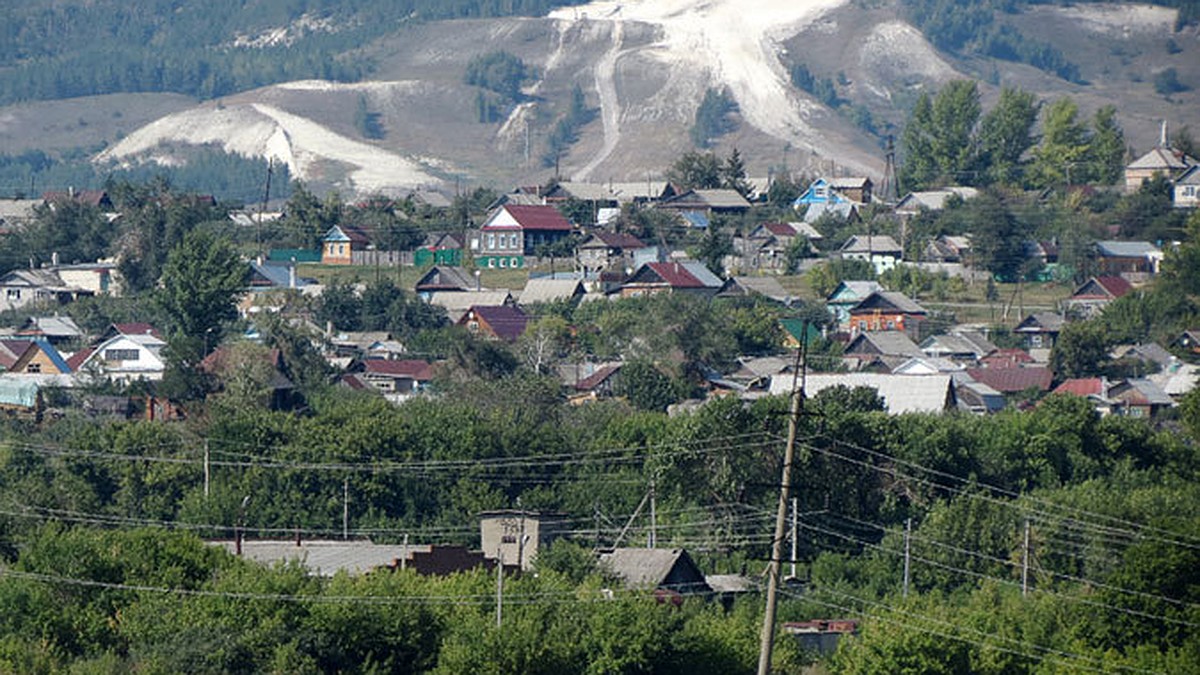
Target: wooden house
x,y
878,249
1160,161
514,232
657,569
1094,294
1186,191
32,357
498,323
673,277
340,244
1040,330
887,311
1117,258
846,295
602,250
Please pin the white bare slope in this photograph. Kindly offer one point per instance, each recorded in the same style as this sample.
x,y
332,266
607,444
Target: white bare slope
x,y
738,43
259,130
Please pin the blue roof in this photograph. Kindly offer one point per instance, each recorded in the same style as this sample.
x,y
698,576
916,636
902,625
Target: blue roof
x,y
52,354
810,195
695,218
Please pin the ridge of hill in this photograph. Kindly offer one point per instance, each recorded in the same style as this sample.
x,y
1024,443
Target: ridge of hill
x,y
643,69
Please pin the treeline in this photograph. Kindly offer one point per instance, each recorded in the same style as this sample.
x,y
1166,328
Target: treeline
x,y
970,28
54,50
948,140
227,176
714,117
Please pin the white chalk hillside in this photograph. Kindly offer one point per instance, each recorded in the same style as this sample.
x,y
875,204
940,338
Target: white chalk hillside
x,y
738,43
259,130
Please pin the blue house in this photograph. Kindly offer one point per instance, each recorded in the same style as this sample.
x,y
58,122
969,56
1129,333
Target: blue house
x,y
820,191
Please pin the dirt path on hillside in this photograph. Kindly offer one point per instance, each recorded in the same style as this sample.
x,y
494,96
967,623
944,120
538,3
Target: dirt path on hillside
x,y
610,104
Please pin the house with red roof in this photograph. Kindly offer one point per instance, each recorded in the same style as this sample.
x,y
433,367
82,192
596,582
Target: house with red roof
x,y
672,277
400,378
1014,380
1094,294
515,231
499,323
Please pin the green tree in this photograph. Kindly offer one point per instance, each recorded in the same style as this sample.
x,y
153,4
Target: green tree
x,y
1062,155
939,137
733,173
1106,151
201,280
695,170
997,237
646,387
1080,351
1005,134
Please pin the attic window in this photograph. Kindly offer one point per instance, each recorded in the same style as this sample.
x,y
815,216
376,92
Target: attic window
x,y
120,355
33,368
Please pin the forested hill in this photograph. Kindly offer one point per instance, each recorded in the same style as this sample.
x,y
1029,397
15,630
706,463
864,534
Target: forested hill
x,y
210,48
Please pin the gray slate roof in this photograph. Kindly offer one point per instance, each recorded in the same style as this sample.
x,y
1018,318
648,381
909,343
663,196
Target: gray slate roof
x,y
324,558
901,393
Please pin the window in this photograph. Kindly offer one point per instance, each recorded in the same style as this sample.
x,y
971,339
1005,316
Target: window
x,y
14,294
491,242
516,262
33,368
512,240
508,539
503,263
120,355
491,263
1189,191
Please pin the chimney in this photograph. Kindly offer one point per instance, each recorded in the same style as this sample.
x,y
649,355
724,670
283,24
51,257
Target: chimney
x,y
292,273
54,259
1162,140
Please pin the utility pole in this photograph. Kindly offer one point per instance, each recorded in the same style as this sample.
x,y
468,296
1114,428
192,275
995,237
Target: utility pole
x,y
907,542
795,527
207,469
768,629
653,541
1025,563
263,207
499,586
346,508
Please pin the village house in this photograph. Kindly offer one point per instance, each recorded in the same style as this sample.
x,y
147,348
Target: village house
x,y
948,248
671,277
57,330
603,250
1119,258
708,202
1186,191
396,379
32,357
1040,330
820,191
878,249
846,295
1094,295
931,200
503,322
340,244
514,232
1162,161
22,287
16,214
886,311
670,571
440,248
446,279
126,353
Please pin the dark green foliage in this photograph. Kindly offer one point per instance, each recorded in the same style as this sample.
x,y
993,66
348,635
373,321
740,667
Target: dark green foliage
x,y
201,279
696,170
647,388
53,51
368,122
498,72
1166,82
714,117
970,27
938,140
822,89
566,130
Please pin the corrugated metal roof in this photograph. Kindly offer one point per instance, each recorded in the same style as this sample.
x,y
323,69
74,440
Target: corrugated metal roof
x,y
1127,249
541,218
324,558
901,393
550,290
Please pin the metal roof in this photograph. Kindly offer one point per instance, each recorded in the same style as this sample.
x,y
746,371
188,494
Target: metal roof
x,y
901,393
324,558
